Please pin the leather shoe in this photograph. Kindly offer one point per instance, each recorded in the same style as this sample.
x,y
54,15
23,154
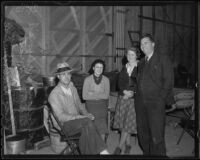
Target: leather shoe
x,y
117,151
127,149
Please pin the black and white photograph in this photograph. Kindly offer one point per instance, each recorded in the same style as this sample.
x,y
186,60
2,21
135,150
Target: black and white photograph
x,y
100,79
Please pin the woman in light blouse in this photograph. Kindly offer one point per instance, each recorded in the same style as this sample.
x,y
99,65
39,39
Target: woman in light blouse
x,y
96,91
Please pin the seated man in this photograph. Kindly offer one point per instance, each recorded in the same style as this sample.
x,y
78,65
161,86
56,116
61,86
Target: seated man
x,y
66,104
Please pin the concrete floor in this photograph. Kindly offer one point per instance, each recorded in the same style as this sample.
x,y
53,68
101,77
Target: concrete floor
x,y
172,133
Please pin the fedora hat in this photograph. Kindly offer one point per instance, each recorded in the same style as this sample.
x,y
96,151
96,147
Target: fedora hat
x,y
62,68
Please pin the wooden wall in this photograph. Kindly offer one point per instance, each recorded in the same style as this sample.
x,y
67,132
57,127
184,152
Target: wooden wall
x,y
80,34
77,35
199,63
172,27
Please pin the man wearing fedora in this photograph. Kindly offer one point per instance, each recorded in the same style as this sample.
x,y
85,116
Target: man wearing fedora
x,y
66,104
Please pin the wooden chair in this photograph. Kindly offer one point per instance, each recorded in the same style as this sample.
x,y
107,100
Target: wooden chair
x,y
113,99
187,123
184,101
72,141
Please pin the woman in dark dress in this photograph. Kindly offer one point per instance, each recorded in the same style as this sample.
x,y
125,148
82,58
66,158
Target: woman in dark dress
x,y
125,117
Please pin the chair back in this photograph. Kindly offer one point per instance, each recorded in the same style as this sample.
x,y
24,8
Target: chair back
x,y
54,122
184,98
60,129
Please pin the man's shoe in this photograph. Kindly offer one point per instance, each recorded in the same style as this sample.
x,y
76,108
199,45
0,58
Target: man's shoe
x,y
127,149
117,151
170,108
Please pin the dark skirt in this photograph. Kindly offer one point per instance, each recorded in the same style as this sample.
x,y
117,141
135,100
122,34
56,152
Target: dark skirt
x,y
99,108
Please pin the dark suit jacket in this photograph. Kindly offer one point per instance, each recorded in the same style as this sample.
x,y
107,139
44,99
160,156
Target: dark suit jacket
x,y
161,73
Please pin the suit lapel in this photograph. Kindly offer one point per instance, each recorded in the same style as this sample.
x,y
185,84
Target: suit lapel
x,y
140,69
154,60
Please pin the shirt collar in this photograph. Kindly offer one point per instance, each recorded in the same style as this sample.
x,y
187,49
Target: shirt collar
x,y
149,56
66,90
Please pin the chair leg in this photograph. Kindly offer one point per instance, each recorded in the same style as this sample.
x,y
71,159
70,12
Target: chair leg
x,y
135,138
74,149
64,150
106,137
182,133
109,121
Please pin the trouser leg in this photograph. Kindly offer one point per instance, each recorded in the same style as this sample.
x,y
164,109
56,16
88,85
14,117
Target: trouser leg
x,y
90,141
142,127
156,114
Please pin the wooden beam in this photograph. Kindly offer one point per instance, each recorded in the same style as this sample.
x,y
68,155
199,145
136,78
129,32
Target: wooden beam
x,y
95,42
72,51
64,42
110,39
82,35
164,8
168,22
55,44
153,22
174,29
70,55
121,11
179,36
66,56
104,18
45,37
141,22
77,31
73,10
63,21
97,24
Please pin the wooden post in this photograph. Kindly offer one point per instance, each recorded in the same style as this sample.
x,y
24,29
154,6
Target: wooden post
x,y
174,28
82,36
9,95
45,38
4,143
153,22
141,22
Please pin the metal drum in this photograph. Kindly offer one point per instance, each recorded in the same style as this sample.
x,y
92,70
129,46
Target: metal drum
x,y
28,113
49,81
15,144
22,97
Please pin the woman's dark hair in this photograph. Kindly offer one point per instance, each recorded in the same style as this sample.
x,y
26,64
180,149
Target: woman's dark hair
x,y
147,35
91,71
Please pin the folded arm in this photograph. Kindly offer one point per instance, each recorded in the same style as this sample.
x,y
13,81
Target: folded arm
x,y
88,94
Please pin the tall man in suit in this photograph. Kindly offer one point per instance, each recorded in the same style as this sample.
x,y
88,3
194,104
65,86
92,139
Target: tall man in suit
x,y
155,82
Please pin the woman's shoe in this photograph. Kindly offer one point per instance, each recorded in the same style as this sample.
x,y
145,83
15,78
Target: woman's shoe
x,y
127,149
117,151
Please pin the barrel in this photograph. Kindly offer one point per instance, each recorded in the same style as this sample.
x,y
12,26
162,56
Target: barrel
x,y
49,81
15,144
28,114
27,97
22,97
